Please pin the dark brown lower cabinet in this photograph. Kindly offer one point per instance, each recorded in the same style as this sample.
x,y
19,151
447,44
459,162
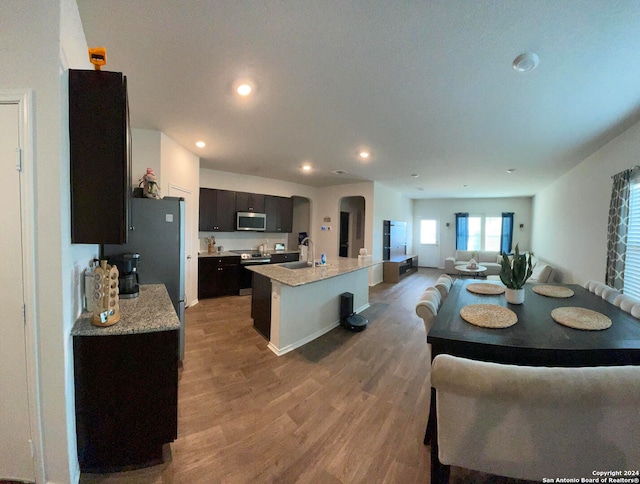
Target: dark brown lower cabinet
x,y
126,390
218,276
261,305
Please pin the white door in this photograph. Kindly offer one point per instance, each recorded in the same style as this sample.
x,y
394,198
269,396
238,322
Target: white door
x,y
189,224
429,246
16,461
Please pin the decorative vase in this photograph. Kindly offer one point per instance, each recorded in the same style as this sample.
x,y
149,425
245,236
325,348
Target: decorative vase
x,y
514,296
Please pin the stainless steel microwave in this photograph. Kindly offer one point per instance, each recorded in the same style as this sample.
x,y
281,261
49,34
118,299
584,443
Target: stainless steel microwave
x,y
251,221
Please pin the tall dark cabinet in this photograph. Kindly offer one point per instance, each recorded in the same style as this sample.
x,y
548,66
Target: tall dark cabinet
x,y
100,157
279,212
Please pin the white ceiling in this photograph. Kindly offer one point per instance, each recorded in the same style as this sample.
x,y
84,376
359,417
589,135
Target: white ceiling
x,y
427,86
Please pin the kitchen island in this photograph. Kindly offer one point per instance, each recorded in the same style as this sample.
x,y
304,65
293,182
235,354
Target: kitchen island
x,y
291,307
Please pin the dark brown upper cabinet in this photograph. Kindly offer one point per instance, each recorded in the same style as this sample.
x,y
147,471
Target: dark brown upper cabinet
x,y
217,210
279,212
249,202
100,141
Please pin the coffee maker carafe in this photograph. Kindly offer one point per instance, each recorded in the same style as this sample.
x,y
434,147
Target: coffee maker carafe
x,y
127,265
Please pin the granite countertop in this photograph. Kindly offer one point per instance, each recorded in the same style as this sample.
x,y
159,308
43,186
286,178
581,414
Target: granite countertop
x,y
308,275
151,311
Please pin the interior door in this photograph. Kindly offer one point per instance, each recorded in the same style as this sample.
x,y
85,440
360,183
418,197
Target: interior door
x,y
429,247
16,461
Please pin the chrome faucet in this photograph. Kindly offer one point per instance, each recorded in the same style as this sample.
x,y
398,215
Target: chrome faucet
x,y
311,250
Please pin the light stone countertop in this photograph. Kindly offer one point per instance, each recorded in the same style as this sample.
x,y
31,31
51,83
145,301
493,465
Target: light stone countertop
x,y
151,311
308,275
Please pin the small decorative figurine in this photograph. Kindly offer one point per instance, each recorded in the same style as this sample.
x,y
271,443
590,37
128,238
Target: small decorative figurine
x,y
149,185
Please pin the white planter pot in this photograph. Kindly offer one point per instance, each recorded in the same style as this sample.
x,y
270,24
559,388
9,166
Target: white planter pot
x,y
514,296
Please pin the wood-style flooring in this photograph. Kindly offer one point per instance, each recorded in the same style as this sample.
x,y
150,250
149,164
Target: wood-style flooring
x,y
345,408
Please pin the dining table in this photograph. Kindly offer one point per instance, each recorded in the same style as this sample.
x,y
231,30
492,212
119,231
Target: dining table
x,y
536,339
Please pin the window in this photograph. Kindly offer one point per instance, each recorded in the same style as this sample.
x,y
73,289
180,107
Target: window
x,y
475,233
484,233
632,257
428,232
492,233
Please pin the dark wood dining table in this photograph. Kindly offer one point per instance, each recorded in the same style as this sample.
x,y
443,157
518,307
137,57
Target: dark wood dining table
x,y
535,340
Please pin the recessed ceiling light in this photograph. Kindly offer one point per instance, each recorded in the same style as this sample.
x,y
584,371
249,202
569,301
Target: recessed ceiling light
x,y
465,186
244,89
414,175
201,144
420,189
339,172
306,167
364,154
526,62
511,170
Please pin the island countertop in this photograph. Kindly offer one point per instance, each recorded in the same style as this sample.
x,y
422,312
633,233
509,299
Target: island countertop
x,y
151,311
308,275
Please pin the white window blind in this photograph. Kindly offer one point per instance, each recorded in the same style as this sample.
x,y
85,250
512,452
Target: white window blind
x,y
632,261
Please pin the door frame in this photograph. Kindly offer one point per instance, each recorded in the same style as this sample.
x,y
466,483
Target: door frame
x,y
422,248
190,214
26,126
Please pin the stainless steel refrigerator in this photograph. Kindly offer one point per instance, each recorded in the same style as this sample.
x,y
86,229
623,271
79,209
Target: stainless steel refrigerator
x,y
156,232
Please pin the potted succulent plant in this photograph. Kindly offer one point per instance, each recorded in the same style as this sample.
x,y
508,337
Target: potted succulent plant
x,y
514,273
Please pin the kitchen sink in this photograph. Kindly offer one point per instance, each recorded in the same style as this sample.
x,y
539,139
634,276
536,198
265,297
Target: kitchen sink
x,y
299,264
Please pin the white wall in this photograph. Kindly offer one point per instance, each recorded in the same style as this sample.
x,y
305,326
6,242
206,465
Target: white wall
x,y
570,215
444,209
39,41
146,152
388,205
328,207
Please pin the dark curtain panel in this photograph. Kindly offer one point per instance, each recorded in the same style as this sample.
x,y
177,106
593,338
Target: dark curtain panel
x,y
462,230
617,228
506,239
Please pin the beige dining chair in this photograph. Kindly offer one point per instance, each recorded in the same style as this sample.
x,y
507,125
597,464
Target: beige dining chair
x,y
609,294
427,308
625,302
534,422
443,284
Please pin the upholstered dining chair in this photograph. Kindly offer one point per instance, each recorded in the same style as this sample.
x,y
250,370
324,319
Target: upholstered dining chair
x,y
609,294
443,284
533,422
428,306
625,302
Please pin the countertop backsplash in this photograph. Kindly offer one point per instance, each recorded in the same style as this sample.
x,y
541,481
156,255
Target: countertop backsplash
x,y
244,240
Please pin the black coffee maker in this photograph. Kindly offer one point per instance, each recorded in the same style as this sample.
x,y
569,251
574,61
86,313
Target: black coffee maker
x,y
128,282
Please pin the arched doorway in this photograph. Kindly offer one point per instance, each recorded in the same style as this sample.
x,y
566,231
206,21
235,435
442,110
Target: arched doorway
x,y
352,226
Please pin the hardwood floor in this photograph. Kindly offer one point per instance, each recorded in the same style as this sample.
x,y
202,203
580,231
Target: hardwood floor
x,y
345,408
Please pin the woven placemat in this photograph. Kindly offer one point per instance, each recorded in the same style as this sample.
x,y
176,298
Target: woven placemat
x,y
488,315
486,288
580,318
553,291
